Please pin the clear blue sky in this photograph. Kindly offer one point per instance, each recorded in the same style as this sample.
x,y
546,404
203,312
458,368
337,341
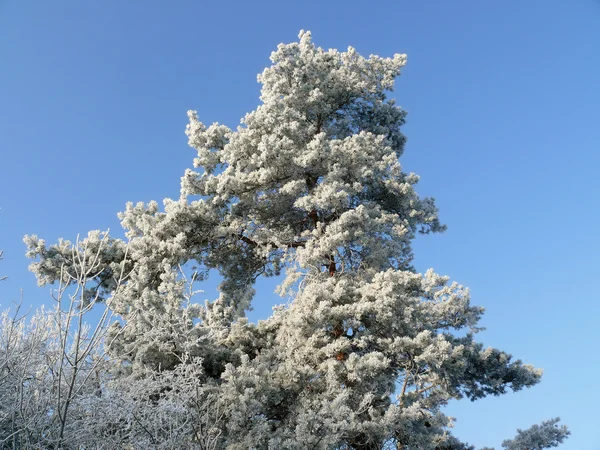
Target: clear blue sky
x,y
503,102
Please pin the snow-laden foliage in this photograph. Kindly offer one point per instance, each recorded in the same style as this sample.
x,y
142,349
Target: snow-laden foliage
x,y
547,434
43,373
366,353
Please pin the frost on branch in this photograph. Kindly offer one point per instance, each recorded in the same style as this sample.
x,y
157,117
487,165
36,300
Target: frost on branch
x,y
367,352
546,435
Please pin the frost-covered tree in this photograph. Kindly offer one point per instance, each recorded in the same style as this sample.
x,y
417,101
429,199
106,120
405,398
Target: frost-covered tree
x,y
52,363
367,352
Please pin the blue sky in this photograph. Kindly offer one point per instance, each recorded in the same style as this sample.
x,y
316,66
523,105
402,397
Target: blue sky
x,y
502,127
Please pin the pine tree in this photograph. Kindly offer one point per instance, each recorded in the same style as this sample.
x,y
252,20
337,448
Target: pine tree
x,y
368,351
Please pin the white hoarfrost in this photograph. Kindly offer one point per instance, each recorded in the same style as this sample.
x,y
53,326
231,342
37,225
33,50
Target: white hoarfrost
x,y
366,354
